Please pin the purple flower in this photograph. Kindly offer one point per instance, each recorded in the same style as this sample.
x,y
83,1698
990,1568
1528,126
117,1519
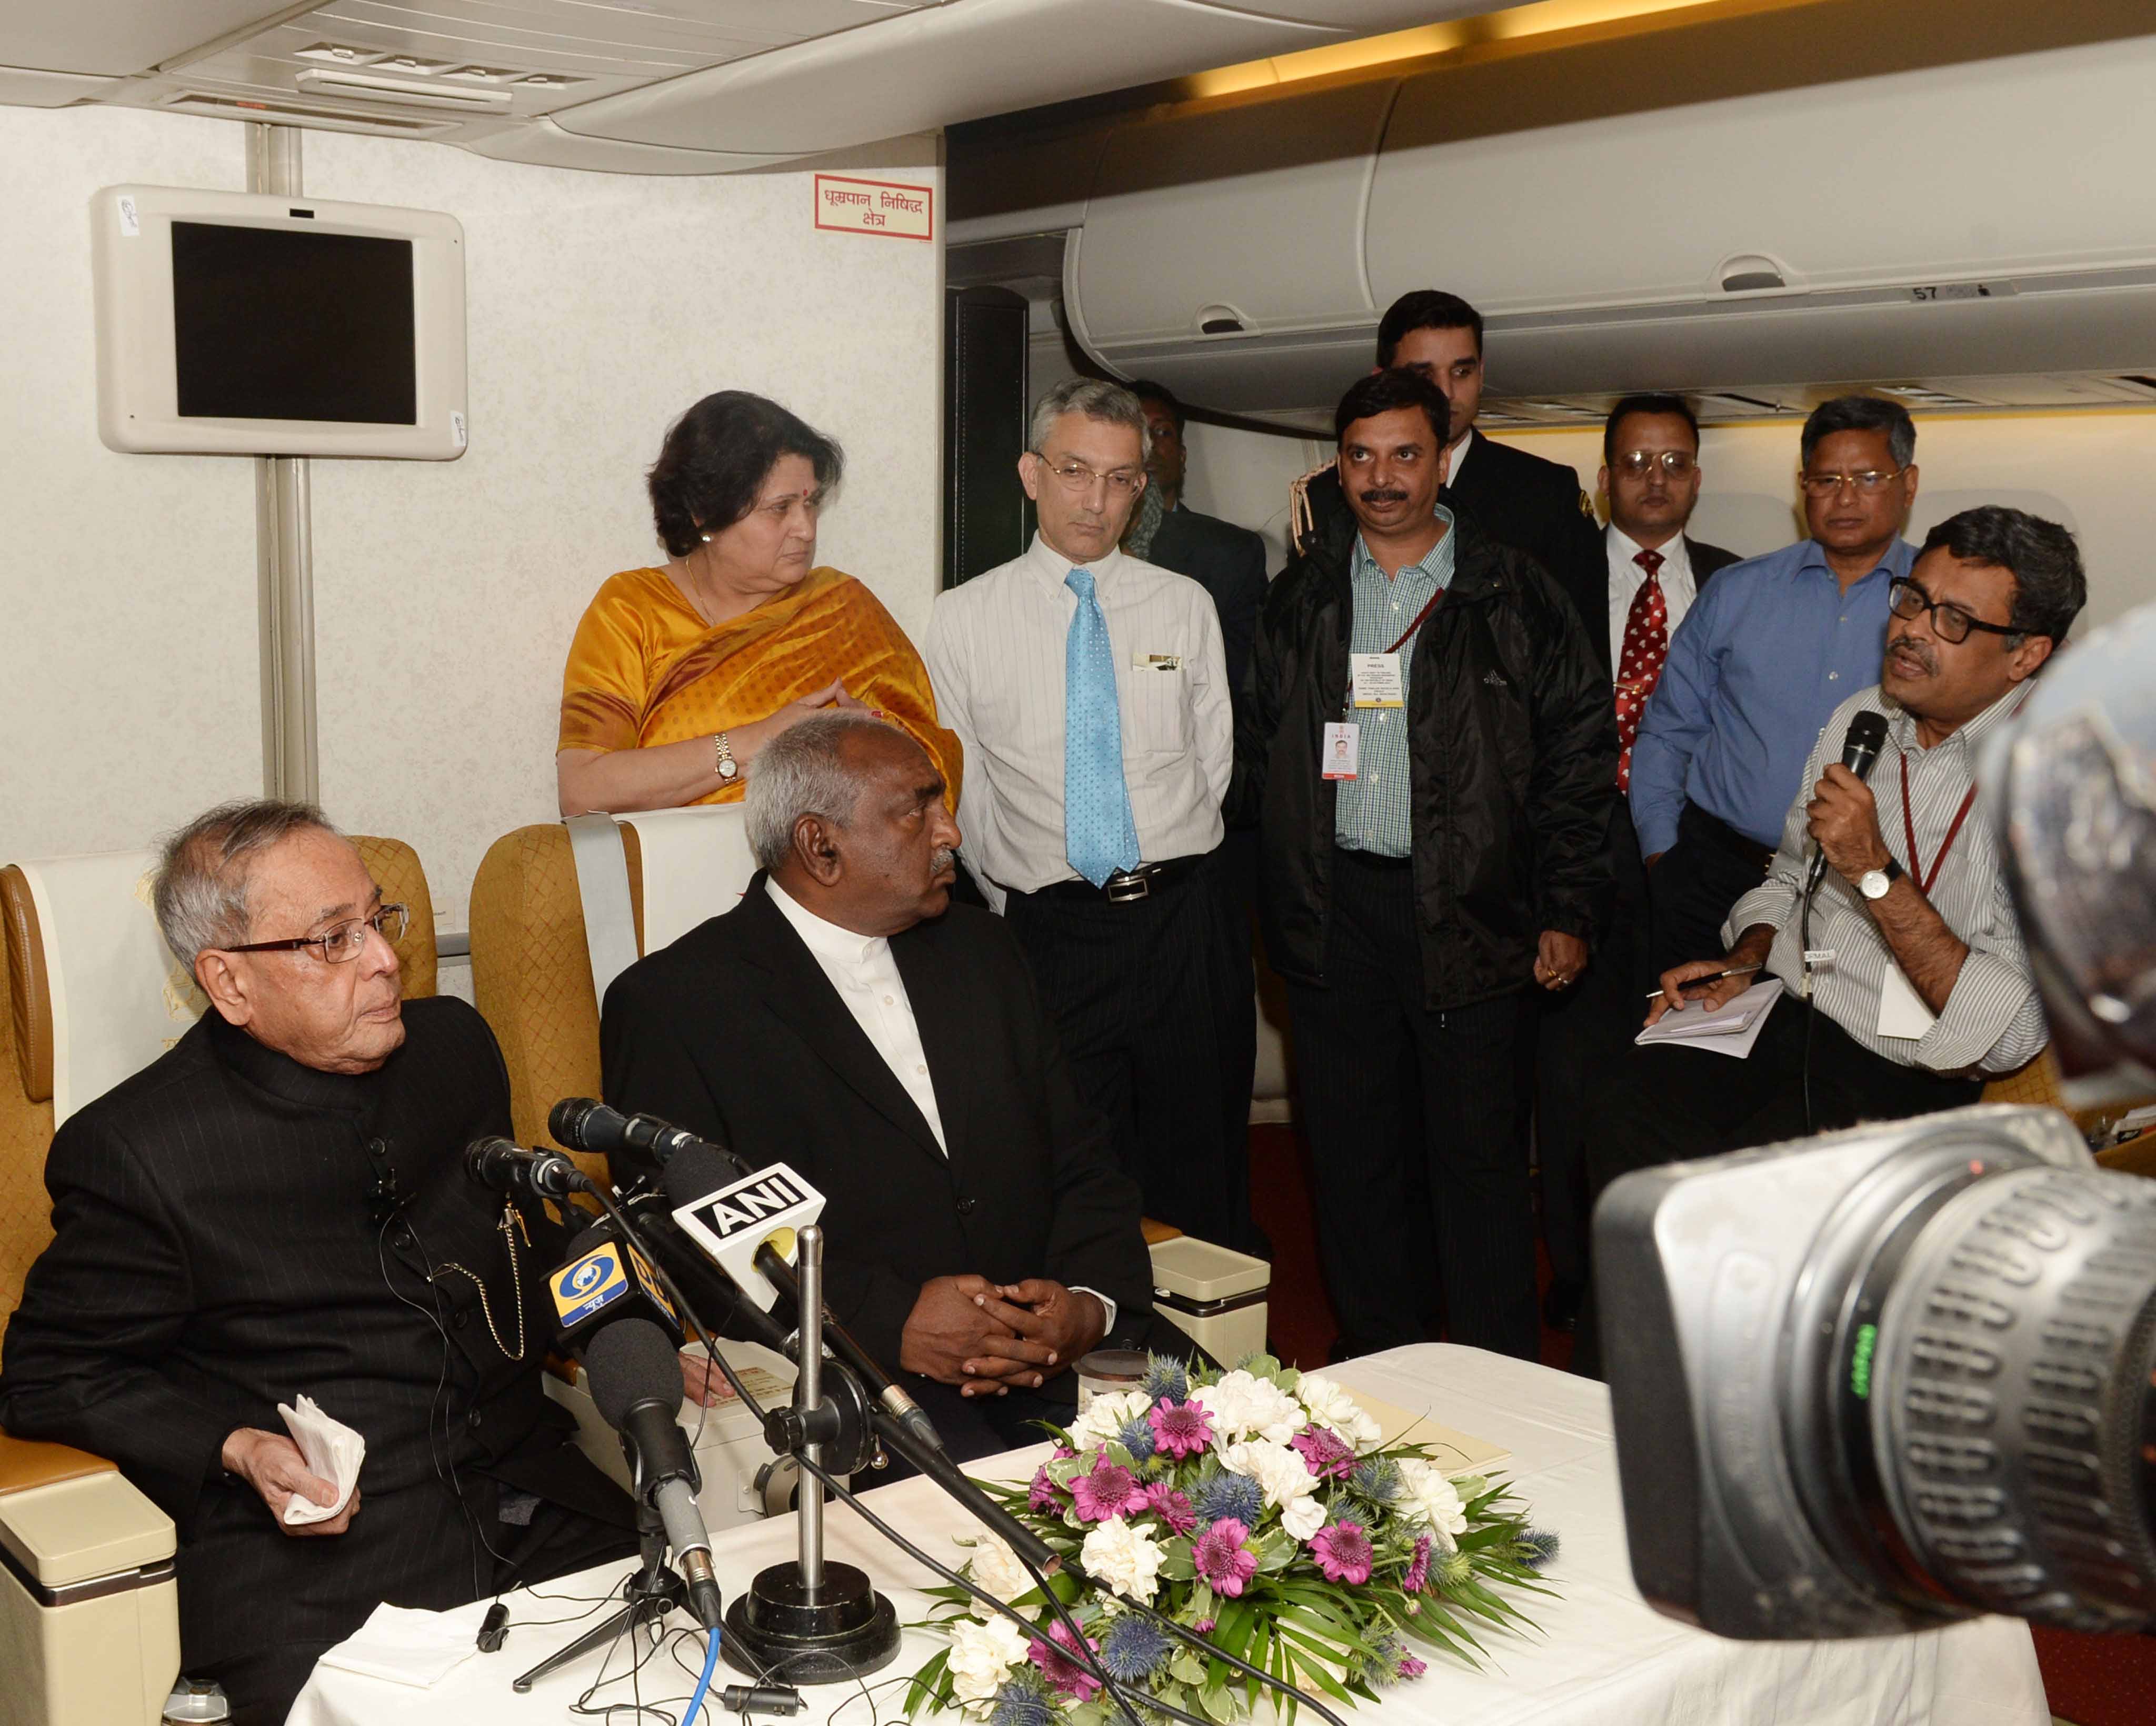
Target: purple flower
x,y
1322,1452
1342,1551
1418,1572
1224,1558
1180,1429
1107,1493
1411,1668
1062,1672
1064,1453
1172,1507
1045,1493
1204,1626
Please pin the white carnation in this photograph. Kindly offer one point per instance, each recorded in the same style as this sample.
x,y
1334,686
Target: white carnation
x,y
1281,1474
1243,1404
1303,1518
1330,1405
995,1567
1124,1556
1428,1496
1106,1416
982,1656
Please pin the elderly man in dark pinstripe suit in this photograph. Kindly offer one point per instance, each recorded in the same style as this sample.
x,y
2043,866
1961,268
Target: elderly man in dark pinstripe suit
x,y
275,1208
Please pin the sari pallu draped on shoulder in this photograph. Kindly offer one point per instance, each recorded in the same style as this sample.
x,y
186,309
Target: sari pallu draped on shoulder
x,y
645,669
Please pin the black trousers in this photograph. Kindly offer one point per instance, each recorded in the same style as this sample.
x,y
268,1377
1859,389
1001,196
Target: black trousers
x,y
1580,1035
1153,1000
1387,1084
262,1684
1669,1103
1708,870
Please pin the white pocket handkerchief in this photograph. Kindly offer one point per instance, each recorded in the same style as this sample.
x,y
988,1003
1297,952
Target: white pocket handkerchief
x,y
333,1452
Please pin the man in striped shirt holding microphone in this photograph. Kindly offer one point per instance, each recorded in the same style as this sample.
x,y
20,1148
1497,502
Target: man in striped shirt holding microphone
x,y
1919,985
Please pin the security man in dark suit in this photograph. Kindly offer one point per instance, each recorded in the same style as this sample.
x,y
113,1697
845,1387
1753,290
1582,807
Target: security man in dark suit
x,y
1652,572
278,1207
848,1019
1521,500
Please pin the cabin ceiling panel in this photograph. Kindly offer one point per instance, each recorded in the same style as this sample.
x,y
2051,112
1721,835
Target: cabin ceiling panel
x,y
115,37
936,66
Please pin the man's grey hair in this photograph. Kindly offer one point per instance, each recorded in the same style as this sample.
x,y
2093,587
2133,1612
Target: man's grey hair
x,y
203,870
1096,399
803,771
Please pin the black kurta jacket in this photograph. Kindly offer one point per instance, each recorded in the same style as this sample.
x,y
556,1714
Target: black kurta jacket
x,y
1513,763
214,1256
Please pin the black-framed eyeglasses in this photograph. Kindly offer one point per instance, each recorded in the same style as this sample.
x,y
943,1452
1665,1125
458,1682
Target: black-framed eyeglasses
x,y
1906,599
341,944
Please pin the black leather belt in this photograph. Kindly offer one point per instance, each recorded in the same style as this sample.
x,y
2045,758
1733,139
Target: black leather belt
x,y
1128,886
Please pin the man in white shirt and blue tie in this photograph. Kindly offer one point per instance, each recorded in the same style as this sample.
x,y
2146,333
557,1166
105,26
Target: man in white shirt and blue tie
x,y
1090,692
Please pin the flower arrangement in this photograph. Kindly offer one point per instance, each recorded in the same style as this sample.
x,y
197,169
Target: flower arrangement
x,y
1253,1506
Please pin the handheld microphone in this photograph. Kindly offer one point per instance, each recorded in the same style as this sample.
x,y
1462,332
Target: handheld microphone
x,y
757,1254
606,1281
585,1123
509,1168
1860,745
636,1385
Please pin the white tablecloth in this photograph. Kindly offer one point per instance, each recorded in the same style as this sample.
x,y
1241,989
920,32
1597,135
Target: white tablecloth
x,y
1602,1658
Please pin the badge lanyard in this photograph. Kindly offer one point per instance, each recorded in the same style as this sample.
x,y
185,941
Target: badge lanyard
x,y
1420,619
1909,832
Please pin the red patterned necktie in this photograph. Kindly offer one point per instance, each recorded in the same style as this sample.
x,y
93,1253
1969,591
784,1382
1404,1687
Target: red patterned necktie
x,y
1639,666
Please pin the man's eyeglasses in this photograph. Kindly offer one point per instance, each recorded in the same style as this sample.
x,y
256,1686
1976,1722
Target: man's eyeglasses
x,y
1077,479
341,944
1949,622
1638,462
1867,483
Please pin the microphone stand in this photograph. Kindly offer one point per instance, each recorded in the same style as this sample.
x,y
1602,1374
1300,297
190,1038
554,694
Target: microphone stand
x,y
651,1591
812,1621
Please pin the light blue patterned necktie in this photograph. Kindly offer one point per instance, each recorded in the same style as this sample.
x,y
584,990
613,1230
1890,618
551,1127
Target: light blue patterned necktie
x,y
1099,836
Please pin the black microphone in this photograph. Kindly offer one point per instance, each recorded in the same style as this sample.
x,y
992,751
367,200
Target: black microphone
x,y
636,1384
606,1281
509,1168
695,1171
585,1123
1860,745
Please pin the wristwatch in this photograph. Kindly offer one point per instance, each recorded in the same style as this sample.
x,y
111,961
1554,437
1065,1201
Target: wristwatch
x,y
1874,883
728,768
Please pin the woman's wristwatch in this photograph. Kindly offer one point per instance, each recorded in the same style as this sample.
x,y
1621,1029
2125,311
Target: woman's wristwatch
x,y
728,769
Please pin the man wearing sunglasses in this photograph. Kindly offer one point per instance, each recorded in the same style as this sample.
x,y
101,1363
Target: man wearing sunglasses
x,y
1772,648
1920,986
277,1208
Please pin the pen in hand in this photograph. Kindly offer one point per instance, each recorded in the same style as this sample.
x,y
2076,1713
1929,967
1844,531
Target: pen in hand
x,y
1741,971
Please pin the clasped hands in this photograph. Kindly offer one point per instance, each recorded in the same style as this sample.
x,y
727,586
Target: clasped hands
x,y
984,1337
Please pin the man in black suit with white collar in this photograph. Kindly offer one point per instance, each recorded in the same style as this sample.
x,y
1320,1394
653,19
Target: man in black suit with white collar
x,y
848,1019
1652,571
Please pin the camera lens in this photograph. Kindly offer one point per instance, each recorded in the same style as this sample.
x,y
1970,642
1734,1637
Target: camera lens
x,y
2016,1446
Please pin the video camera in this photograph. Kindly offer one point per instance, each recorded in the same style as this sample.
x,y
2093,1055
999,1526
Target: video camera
x,y
1886,1377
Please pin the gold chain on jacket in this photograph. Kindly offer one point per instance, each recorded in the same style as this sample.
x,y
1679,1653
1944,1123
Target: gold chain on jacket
x,y
511,1226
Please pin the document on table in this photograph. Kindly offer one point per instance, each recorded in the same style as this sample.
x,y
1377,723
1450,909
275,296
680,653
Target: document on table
x,y
1730,1030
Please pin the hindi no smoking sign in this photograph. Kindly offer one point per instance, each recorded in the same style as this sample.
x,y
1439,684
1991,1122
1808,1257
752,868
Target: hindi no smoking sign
x,y
887,207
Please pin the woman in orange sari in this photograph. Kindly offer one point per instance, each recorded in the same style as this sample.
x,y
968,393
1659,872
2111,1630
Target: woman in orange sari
x,y
679,675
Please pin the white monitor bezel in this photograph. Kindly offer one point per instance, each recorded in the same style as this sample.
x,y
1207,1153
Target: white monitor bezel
x,y
137,378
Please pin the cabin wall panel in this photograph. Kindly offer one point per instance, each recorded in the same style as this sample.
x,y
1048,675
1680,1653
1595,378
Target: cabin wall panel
x,y
128,667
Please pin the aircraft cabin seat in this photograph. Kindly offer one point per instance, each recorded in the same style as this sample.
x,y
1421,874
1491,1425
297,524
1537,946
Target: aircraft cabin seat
x,y
648,878
88,1609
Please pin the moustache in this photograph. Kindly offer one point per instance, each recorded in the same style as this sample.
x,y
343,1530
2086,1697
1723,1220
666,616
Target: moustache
x,y
943,858
1916,650
1384,497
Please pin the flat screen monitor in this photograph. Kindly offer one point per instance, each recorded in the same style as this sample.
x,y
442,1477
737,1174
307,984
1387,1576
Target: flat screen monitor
x,y
248,324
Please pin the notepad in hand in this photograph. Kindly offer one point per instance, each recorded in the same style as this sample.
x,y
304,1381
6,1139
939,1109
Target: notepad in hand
x,y
1729,1030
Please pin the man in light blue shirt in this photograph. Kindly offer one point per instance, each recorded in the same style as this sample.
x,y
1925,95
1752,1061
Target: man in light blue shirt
x,y
1771,649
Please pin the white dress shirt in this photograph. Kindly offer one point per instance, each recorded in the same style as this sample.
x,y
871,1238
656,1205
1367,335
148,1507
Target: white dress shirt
x,y
866,976
1626,578
860,968
1460,446
995,653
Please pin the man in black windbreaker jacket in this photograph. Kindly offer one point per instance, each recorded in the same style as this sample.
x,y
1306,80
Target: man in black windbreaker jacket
x,y
1431,750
